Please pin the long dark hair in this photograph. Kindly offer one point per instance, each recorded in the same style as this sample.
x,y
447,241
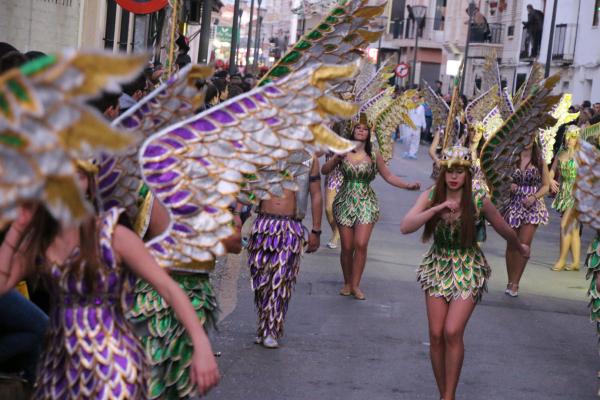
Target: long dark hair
x,y
41,233
368,147
536,157
467,209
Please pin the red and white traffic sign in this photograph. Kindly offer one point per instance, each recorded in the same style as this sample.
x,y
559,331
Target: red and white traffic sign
x,y
402,70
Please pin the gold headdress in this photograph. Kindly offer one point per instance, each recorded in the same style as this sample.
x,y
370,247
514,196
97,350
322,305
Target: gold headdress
x,y
573,132
454,151
456,156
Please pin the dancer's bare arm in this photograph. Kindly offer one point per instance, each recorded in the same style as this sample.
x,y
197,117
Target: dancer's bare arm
x,y
316,206
132,251
392,179
12,265
422,212
331,163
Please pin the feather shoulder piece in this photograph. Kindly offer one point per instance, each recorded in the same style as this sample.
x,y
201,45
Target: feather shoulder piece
x,y
439,107
46,125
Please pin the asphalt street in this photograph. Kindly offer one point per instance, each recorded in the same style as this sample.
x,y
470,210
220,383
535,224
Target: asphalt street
x,y
540,345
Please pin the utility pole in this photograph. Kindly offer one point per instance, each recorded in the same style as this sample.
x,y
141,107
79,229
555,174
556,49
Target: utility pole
x,y
249,43
550,41
257,41
207,6
235,33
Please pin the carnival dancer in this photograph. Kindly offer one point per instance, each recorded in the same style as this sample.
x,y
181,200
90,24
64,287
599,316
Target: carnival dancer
x,y
526,209
355,207
570,234
275,250
454,272
90,349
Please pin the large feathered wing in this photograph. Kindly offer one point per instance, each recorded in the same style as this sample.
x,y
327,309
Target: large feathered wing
x,y
535,76
587,185
439,107
500,153
338,39
387,120
197,167
45,125
120,180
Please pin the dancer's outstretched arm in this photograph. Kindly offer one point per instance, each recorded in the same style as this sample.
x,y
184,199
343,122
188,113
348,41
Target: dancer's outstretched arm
x,y
331,163
421,212
392,179
132,251
12,265
499,224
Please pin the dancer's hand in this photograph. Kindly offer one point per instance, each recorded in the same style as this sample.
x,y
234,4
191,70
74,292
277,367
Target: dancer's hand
x,y
314,241
554,187
205,372
529,200
524,250
450,205
513,187
413,186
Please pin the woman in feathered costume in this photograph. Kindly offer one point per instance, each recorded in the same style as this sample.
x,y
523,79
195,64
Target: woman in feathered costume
x,y
454,272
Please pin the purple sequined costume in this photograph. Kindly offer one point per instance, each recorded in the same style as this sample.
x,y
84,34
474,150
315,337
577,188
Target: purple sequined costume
x,y
528,183
90,350
334,178
274,254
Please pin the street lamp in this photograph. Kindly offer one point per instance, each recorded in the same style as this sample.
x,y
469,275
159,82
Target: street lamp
x,y
419,14
234,37
382,21
471,12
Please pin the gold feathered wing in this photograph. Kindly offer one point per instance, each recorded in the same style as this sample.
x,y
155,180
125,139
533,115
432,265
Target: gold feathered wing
x,y
197,167
45,125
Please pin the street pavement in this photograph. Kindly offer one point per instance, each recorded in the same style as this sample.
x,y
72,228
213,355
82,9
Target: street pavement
x,y
540,345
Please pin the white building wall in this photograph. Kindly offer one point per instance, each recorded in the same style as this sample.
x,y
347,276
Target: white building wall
x,y
42,25
586,65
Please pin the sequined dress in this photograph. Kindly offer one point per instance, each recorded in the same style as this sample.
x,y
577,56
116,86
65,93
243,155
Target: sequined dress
x,y
528,183
356,202
91,351
274,254
449,270
564,199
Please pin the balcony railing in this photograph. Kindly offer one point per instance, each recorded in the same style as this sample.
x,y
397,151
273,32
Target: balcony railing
x,y
490,33
408,29
563,46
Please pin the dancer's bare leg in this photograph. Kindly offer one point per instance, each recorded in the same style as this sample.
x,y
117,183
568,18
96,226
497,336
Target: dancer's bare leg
x,y
525,234
458,315
329,198
362,235
437,309
347,256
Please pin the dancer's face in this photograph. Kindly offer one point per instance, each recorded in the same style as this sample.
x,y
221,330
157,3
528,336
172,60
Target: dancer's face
x,y
455,177
361,133
571,142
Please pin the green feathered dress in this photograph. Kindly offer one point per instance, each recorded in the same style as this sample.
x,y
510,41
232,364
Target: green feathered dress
x,y
167,345
450,271
356,202
564,199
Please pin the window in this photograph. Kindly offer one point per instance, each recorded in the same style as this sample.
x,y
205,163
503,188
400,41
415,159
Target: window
x,y
440,15
511,31
596,20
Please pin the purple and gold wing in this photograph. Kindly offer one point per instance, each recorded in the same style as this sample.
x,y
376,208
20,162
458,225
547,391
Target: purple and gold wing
x,y
198,167
587,185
